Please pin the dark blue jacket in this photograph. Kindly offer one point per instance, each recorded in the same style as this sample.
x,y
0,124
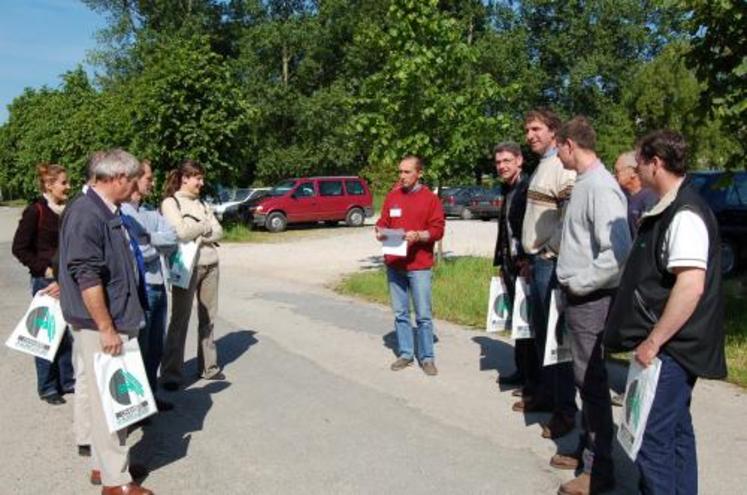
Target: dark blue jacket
x,y
94,250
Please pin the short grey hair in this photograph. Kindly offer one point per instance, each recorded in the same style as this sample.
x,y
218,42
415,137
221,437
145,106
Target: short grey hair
x,y
114,163
627,159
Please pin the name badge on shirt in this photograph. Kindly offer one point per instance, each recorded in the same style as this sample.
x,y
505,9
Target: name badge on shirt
x,y
395,212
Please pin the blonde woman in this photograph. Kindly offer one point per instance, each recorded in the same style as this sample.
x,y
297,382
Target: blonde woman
x,y
35,245
193,220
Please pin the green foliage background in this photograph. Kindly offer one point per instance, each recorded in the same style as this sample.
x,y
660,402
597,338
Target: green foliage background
x,y
259,90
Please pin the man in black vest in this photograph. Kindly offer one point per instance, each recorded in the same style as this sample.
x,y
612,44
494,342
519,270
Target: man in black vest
x,y
509,255
669,305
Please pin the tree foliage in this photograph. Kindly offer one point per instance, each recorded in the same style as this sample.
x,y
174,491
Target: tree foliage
x,y
259,90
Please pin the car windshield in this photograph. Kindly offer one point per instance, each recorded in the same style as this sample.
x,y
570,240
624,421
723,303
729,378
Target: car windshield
x,y
282,188
241,194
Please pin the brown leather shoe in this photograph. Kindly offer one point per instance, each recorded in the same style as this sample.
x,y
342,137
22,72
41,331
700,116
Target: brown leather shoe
x,y
528,405
128,489
565,461
584,485
558,426
137,471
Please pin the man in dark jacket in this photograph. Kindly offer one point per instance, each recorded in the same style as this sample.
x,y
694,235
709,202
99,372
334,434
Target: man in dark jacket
x,y
509,255
99,286
670,306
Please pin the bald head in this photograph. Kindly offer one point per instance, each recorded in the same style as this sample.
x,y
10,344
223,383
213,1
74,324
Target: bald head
x,y
626,172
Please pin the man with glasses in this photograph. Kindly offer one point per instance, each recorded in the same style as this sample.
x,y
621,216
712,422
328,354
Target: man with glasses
x,y
670,306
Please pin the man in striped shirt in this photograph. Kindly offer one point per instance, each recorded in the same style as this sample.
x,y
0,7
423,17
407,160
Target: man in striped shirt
x,y
549,189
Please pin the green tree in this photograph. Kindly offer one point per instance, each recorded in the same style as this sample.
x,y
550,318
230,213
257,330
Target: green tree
x,y
427,97
719,38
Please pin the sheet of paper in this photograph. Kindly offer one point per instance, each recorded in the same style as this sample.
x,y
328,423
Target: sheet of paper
x,y
394,244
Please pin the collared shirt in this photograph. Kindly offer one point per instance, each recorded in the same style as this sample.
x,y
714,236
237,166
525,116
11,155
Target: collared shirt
x,y
155,236
106,201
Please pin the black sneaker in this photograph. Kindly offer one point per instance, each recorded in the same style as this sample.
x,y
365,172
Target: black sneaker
x,y
53,399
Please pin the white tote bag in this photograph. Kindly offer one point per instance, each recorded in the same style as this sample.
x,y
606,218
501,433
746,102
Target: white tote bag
x,y
520,328
640,391
41,329
123,385
181,263
499,307
557,345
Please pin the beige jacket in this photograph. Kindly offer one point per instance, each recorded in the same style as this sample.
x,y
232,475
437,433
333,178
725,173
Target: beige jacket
x,y
194,220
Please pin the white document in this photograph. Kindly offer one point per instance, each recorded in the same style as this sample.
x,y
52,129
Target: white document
x,y
41,329
181,263
123,385
395,243
520,328
499,307
557,345
640,391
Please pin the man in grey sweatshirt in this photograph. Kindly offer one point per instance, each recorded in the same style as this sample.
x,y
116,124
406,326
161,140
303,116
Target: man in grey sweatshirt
x,y
593,247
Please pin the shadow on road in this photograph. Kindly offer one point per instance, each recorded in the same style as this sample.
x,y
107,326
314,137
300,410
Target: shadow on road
x,y
229,347
166,439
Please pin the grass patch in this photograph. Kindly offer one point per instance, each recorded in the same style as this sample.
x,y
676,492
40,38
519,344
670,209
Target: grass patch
x,y
736,330
460,294
14,203
460,289
240,233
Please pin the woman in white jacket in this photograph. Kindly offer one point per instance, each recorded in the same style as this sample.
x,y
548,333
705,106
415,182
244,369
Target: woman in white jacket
x,y
193,220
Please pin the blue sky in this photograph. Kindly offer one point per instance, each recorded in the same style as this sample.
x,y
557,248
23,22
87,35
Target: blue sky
x,y
39,40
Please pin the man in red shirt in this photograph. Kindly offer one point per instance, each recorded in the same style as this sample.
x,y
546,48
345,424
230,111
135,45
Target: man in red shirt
x,y
413,208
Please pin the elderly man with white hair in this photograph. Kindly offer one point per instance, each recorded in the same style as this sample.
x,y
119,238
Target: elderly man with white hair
x,y
98,274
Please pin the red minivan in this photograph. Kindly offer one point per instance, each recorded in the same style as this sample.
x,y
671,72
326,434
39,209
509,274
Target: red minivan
x,y
314,199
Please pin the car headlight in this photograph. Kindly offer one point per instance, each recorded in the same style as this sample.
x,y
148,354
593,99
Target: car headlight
x,y
259,209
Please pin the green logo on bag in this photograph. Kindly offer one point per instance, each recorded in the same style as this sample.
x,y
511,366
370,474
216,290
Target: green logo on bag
x,y
41,318
633,404
501,306
177,260
122,384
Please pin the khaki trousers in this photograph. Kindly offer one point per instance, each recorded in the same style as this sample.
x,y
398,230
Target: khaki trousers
x,y
109,451
204,283
81,411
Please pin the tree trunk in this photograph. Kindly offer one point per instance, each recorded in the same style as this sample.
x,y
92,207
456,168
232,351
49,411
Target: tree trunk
x,y
286,61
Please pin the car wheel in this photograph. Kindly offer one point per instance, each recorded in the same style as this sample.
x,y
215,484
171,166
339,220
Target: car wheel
x,y
728,257
466,214
276,222
355,217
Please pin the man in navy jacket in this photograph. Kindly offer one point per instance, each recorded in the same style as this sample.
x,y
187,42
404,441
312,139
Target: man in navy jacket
x,y
99,280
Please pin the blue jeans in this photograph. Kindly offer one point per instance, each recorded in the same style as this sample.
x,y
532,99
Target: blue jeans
x,y
667,460
556,385
56,377
151,337
402,285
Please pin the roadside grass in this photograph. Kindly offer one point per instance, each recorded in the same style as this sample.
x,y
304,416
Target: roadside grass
x,y
14,203
460,293
460,289
240,233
